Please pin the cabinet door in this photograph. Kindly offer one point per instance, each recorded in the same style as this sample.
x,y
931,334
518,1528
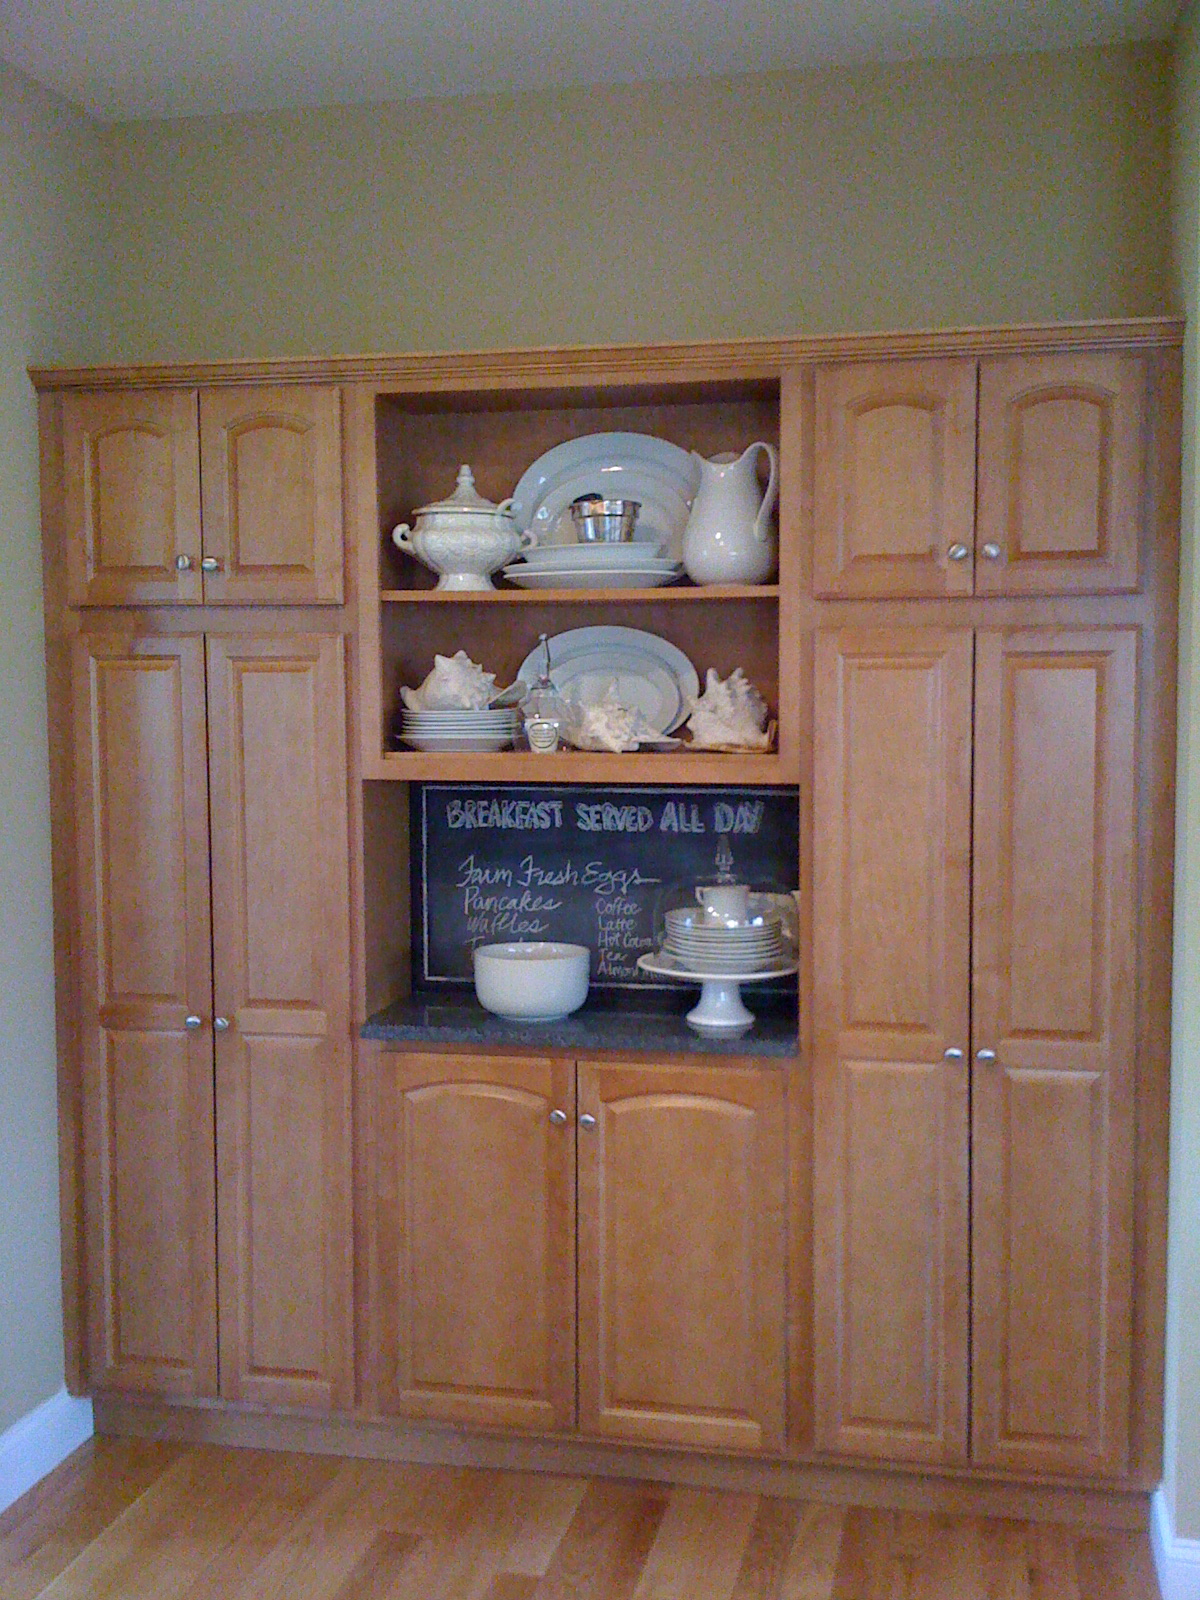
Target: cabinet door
x,y
892,815
1054,975
681,1256
476,1229
131,483
145,996
1060,474
895,478
271,463
277,753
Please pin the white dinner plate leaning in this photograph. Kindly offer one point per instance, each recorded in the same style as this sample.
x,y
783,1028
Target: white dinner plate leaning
x,y
578,578
626,466
651,675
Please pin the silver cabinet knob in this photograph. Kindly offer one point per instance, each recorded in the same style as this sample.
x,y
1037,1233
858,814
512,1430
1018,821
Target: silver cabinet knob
x,y
221,1024
587,1120
985,1056
183,563
210,564
992,551
958,552
193,1022
558,1118
953,1054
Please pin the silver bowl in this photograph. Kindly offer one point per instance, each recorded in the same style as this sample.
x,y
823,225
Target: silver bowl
x,y
600,521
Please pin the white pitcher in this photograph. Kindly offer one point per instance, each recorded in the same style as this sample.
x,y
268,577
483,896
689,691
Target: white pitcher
x,y
729,537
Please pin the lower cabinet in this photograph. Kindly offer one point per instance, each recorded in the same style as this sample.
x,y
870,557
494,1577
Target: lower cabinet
x,y
214,997
511,1189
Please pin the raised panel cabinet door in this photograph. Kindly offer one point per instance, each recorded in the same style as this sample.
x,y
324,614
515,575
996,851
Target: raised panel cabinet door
x,y
475,1182
145,993
1053,1022
271,467
681,1255
895,478
131,486
892,786
277,764
1061,472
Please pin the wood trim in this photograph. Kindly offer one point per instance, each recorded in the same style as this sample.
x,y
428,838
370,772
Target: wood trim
x,y
386,1439
65,888
612,364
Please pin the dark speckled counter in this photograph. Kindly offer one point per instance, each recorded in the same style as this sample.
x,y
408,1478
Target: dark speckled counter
x,y
652,1024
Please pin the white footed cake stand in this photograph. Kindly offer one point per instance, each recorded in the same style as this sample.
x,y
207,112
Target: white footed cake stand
x,y
720,1013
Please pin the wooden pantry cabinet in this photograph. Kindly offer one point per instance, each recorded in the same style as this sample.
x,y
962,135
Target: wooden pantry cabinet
x,y
222,496
214,1000
974,1001
935,1240
511,1189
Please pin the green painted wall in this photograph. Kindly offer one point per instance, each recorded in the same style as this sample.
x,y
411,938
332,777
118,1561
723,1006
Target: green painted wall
x,y
50,294
1182,1464
898,197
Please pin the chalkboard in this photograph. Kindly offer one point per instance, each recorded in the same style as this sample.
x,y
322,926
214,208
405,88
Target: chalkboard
x,y
587,865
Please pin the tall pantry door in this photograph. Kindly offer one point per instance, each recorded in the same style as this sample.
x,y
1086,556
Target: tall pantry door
x,y
890,1226
145,981
277,752
1053,1023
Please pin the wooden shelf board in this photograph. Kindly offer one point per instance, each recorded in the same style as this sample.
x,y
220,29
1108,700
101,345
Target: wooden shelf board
x,y
583,766
714,591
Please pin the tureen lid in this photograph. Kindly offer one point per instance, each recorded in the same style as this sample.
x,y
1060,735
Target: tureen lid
x,y
466,500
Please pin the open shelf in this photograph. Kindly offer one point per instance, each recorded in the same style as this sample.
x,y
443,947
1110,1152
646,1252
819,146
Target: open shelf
x,y
583,766
671,593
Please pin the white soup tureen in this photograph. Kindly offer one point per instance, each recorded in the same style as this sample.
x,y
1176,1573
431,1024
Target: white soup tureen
x,y
465,538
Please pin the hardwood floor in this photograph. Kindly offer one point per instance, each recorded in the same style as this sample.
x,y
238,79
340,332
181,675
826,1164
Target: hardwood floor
x,y
127,1519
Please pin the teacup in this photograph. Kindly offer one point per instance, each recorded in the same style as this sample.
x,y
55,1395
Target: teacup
x,y
725,902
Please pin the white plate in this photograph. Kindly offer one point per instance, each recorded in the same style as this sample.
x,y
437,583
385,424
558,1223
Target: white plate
x,y
628,466
651,674
467,741
664,965
573,578
593,557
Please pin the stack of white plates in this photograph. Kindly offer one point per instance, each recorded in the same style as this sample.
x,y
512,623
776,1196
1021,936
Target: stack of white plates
x,y
459,730
593,566
742,949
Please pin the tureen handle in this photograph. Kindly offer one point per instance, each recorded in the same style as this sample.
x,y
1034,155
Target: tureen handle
x,y
529,539
401,539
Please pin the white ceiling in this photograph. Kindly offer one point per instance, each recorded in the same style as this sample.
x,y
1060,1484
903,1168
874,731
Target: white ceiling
x,y
158,58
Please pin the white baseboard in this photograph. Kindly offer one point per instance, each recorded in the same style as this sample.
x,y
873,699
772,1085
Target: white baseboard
x,y
41,1439
1176,1560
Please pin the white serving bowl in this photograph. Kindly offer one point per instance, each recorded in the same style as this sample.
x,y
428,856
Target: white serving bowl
x,y
534,981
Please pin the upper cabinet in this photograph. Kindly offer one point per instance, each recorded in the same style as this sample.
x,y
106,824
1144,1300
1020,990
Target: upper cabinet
x,y
1033,487
229,496
1060,474
895,478
132,492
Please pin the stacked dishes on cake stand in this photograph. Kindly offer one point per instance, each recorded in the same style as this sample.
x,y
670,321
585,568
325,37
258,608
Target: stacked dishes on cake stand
x,y
721,953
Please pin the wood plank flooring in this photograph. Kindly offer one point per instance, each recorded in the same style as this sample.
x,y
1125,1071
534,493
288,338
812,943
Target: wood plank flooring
x,y
125,1519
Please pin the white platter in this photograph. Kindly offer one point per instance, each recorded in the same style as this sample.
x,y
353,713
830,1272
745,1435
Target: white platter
x,y
627,466
576,578
651,674
664,965
593,557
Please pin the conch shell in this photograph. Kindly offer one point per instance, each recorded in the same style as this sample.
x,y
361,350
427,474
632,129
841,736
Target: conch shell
x,y
601,722
729,712
456,682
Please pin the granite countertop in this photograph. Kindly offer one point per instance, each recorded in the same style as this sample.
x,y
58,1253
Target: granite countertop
x,y
651,1022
